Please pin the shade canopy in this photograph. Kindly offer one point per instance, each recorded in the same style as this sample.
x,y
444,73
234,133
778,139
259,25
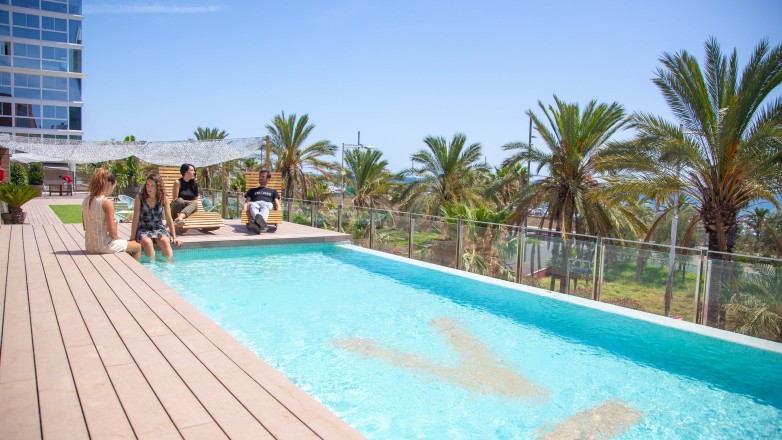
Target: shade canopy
x,y
198,153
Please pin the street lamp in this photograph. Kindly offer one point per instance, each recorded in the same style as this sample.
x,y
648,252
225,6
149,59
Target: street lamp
x,y
342,170
529,162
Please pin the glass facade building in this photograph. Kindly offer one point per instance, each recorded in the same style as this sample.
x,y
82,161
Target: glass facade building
x,y
41,68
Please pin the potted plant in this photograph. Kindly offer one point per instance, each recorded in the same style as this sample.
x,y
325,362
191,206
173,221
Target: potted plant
x,y
16,195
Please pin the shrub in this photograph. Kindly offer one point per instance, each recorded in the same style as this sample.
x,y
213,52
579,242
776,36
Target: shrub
x,y
35,173
18,174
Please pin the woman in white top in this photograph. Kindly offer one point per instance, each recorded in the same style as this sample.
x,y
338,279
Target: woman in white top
x,y
97,214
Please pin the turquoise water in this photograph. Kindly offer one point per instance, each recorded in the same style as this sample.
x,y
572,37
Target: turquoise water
x,y
401,351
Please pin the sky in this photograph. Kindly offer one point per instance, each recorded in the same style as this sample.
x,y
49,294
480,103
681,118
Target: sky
x,y
397,71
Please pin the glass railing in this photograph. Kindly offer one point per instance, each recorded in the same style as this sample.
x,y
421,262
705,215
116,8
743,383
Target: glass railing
x,y
734,292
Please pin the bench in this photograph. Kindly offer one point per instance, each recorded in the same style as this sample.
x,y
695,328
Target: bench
x,y
275,182
201,219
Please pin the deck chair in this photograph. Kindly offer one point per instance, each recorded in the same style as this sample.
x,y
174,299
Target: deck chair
x,y
251,181
201,219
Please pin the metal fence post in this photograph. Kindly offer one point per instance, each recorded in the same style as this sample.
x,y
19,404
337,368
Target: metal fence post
x,y
707,289
602,271
312,213
699,275
459,243
290,208
410,237
521,245
371,228
339,218
598,246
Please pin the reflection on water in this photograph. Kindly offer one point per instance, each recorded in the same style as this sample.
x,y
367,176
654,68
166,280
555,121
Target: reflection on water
x,y
607,420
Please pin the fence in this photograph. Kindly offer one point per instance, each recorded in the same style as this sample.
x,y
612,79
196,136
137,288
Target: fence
x,y
740,293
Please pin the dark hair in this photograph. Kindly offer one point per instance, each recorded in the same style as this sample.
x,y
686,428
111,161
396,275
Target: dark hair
x,y
183,169
267,172
185,166
159,190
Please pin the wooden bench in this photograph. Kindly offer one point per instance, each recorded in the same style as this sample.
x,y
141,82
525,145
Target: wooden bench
x,y
205,221
60,184
275,182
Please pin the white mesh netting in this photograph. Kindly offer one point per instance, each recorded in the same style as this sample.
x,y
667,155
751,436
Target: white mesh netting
x,y
198,153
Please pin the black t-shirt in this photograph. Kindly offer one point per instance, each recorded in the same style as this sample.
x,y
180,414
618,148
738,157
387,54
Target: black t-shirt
x,y
187,190
262,194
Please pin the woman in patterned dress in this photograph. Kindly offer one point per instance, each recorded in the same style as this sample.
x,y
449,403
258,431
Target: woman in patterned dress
x,y
150,208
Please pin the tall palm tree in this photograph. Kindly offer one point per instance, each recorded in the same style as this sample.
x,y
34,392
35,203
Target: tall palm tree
x,y
756,219
368,176
204,134
572,191
503,184
721,152
288,136
448,172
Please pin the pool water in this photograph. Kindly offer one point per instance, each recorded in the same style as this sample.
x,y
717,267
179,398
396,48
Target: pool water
x,y
403,351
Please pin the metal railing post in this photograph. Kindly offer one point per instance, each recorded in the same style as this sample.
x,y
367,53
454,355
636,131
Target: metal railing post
x,y
598,246
707,293
521,245
602,271
410,237
371,228
566,250
339,218
459,243
312,213
701,257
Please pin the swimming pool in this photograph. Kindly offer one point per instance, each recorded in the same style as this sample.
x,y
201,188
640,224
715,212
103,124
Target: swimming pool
x,y
403,351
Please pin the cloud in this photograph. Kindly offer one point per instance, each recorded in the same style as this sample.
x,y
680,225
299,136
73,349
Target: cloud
x,y
149,9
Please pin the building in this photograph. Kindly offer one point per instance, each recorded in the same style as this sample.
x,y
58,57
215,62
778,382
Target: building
x,y
41,74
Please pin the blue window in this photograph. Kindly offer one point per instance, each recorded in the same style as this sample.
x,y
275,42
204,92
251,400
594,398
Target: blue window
x,y
27,55
32,4
28,115
5,28
6,119
74,7
75,32
5,53
55,6
54,29
26,26
74,89
54,58
5,84
75,60
55,117
27,86
54,88
75,118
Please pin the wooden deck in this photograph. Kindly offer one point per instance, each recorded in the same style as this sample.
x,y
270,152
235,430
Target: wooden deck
x,y
95,346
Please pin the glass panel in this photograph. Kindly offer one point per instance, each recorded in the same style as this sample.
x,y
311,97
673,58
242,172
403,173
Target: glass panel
x,y
74,7
326,217
487,252
48,5
74,34
75,118
299,212
392,232
639,277
74,89
75,60
435,241
355,221
33,4
745,296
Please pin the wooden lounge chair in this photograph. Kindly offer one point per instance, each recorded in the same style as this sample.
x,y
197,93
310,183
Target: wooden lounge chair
x,y
201,219
275,182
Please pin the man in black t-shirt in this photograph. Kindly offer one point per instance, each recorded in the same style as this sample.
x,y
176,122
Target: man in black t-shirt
x,y
259,201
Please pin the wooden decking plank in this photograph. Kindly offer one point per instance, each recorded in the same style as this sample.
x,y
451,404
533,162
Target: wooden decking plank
x,y
178,400
208,431
146,414
280,422
17,364
5,248
94,298
60,408
102,409
19,410
229,413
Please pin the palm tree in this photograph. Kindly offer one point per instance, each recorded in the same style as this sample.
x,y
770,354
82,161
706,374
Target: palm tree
x,y
572,191
503,184
721,152
368,176
288,135
448,172
203,134
756,220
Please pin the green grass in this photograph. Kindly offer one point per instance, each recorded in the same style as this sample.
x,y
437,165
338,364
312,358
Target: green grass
x,y
68,213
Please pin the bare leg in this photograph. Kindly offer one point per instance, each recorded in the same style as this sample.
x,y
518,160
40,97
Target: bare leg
x,y
165,248
134,249
148,247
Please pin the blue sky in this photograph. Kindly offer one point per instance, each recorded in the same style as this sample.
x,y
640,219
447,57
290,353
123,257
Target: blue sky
x,y
395,70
